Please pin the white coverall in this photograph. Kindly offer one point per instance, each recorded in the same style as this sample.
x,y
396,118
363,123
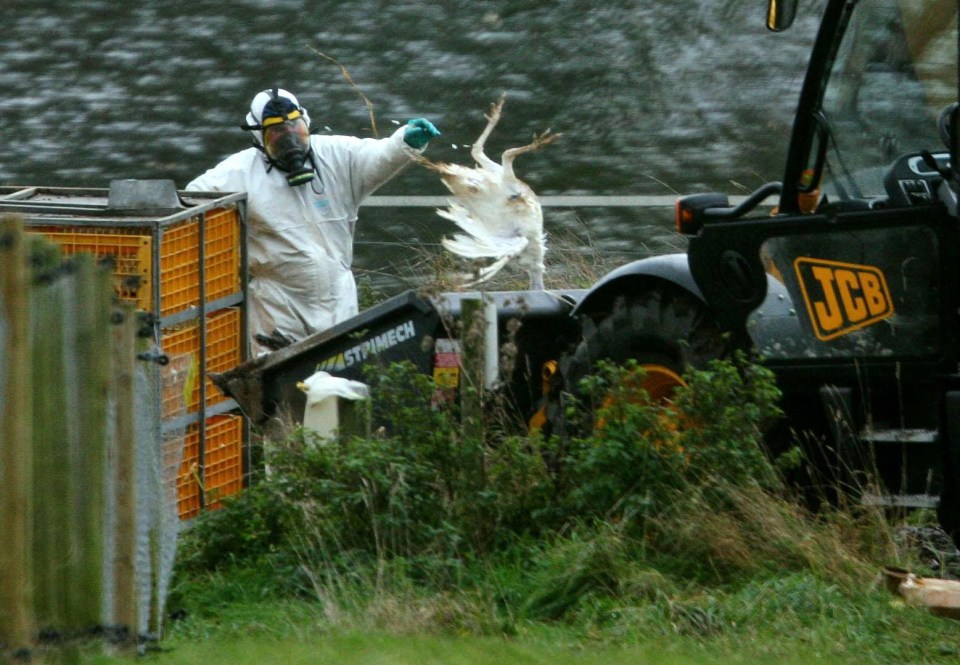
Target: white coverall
x,y
300,239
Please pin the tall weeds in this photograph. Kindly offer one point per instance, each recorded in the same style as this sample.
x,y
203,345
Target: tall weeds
x,y
423,524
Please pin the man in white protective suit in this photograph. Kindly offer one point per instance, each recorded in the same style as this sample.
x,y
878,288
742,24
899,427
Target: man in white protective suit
x,y
303,195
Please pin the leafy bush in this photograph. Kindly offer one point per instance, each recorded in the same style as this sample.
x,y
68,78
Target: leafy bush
x,y
422,488
656,497
253,527
643,457
418,489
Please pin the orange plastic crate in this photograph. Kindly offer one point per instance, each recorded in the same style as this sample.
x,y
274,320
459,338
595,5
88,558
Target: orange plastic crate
x,y
185,476
224,352
130,255
179,260
178,380
179,257
223,460
223,465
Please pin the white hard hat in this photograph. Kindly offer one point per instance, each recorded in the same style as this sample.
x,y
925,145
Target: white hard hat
x,y
275,102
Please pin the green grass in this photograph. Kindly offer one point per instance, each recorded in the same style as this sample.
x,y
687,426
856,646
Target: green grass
x,y
774,617
794,619
370,649
643,542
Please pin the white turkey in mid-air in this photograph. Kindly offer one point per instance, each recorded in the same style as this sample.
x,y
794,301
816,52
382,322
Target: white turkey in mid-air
x,y
498,213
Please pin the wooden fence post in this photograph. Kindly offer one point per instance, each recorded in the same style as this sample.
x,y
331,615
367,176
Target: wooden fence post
x,y
52,423
90,311
472,354
124,447
17,625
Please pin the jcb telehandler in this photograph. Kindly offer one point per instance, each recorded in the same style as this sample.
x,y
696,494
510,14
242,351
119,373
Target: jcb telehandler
x,y
849,289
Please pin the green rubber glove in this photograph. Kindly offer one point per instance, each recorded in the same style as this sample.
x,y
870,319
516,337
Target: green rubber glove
x,y
419,132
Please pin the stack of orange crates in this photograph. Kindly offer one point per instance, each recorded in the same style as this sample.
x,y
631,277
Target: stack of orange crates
x,y
223,352
131,250
168,254
222,465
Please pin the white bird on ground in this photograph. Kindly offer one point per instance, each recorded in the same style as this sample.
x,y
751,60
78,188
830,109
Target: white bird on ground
x,y
499,214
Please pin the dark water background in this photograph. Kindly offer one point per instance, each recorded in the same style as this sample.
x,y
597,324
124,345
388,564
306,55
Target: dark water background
x,y
652,97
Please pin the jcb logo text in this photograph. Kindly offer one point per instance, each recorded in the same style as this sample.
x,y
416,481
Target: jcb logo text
x,y
842,297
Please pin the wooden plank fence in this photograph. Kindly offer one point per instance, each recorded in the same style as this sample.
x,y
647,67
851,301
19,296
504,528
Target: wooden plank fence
x,y
68,510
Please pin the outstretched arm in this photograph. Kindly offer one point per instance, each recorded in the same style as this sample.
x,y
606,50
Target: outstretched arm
x,y
377,161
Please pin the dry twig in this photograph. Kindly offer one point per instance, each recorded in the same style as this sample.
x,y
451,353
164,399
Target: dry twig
x,y
349,79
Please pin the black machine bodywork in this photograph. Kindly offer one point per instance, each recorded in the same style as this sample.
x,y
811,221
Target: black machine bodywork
x,y
407,327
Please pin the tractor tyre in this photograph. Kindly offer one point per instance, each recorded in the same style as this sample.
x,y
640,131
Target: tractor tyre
x,y
665,329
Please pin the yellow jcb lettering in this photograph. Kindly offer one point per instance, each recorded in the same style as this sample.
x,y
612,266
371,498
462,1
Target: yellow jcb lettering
x,y
873,294
828,311
853,305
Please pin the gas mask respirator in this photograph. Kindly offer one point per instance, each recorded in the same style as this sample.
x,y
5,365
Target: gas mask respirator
x,y
287,144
